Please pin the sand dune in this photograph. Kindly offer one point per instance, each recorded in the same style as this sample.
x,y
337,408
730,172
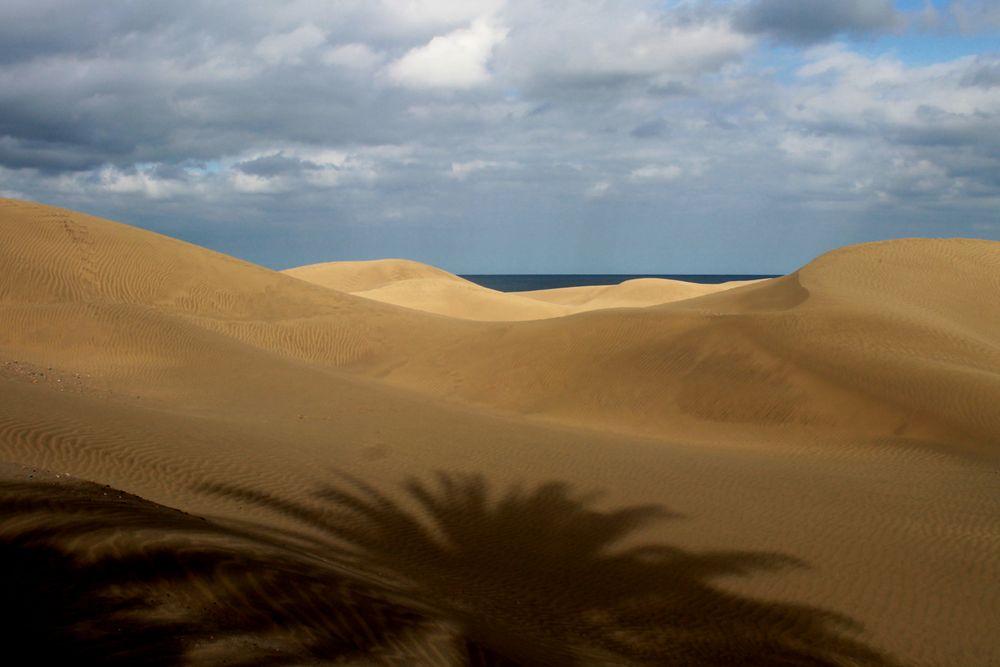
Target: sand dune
x,y
368,275
636,293
815,350
807,465
425,288
463,300
429,289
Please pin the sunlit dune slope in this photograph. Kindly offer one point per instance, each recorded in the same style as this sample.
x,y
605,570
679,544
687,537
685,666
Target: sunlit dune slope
x,y
635,293
463,300
429,289
368,275
425,288
881,339
89,289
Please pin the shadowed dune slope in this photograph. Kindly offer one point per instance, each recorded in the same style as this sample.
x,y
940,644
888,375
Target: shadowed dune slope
x,y
890,339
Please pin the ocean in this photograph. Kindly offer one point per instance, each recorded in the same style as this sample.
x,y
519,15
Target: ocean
x,y
524,282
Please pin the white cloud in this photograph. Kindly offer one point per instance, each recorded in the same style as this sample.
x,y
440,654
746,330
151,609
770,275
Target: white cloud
x,y
290,47
252,183
598,189
843,89
458,59
436,13
653,172
138,181
583,42
352,56
817,153
460,170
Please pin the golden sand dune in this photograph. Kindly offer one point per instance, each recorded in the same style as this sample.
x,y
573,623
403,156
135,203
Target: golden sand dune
x,y
821,348
800,471
93,275
463,300
425,288
429,289
368,275
636,293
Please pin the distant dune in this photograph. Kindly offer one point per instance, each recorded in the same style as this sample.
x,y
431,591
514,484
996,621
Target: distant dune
x,y
369,275
429,289
381,462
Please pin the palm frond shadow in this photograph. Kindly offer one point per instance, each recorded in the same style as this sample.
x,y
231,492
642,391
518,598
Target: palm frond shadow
x,y
536,576
76,588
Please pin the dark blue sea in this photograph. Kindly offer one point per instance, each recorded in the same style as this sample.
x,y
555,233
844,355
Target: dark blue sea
x,y
525,281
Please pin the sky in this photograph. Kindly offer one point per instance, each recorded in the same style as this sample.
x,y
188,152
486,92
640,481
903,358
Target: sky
x,y
510,136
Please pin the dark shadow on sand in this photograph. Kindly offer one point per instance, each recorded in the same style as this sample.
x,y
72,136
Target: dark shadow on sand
x,y
465,575
533,576
92,576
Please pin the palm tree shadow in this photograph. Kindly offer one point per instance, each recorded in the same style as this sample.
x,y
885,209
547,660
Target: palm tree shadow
x,y
536,576
91,580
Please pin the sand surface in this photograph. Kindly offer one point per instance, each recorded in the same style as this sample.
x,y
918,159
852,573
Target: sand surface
x,y
381,463
429,289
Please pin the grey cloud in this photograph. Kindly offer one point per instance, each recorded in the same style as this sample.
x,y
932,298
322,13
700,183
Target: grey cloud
x,y
975,16
46,156
986,74
167,116
274,165
812,21
649,129
671,89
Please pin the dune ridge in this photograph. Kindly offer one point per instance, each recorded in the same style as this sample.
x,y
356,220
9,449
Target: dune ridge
x,y
429,289
834,426
766,355
360,276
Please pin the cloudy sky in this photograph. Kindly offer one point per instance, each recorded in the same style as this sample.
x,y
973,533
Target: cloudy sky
x,y
630,136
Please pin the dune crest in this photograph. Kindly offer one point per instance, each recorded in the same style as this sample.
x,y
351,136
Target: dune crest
x,y
429,289
362,275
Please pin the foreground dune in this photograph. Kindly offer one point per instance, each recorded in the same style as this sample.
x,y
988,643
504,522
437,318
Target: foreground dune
x,y
795,471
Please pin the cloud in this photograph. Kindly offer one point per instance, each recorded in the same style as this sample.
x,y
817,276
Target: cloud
x,y
139,180
813,21
437,13
460,170
649,129
458,59
985,73
584,45
353,56
379,127
875,129
274,165
975,16
653,172
290,47
598,189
